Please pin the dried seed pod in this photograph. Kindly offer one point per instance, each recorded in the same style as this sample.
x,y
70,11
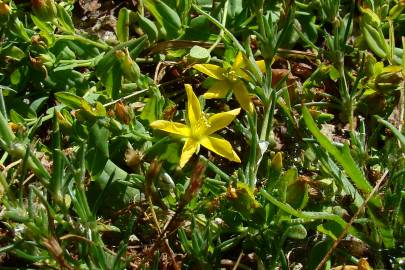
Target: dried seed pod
x,y
123,112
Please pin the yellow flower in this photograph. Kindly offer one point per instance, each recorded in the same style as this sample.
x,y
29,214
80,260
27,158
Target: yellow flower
x,y
230,79
200,129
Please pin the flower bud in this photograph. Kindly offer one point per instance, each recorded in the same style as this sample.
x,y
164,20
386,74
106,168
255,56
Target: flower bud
x,y
44,9
196,182
389,80
15,127
129,67
151,175
39,41
46,60
277,164
63,122
42,63
133,158
123,112
396,10
4,9
369,17
36,63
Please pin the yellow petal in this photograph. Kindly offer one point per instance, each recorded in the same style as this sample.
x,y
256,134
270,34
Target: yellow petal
x,y
213,71
193,107
220,120
171,127
262,65
189,148
243,74
217,90
238,63
220,146
242,96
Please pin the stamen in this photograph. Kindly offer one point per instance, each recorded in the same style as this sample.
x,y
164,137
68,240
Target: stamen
x,y
231,75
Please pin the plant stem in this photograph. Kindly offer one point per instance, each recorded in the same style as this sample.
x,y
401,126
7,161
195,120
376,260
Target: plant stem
x,y
221,33
267,124
83,40
219,25
215,169
2,104
252,155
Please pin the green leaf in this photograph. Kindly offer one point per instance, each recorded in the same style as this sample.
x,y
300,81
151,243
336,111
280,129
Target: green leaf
x,y
56,181
171,153
384,230
235,7
183,8
184,240
199,29
69,99
123,25
19,28
42,25
148,28
288,178
297,195
37,104
15,117
65,20
13,52
297,232
166,17
65,80
112,80
199,54
93,111
62,51
108,187
334,74
153,109
98,154
275,168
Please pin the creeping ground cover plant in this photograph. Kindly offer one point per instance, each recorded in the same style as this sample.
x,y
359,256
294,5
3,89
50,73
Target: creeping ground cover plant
x,y
202,134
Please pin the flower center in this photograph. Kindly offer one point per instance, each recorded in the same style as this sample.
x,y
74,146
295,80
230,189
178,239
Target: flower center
x,y
199,128
231,75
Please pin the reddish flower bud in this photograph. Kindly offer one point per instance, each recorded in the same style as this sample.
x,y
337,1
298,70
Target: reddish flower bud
x,y
196,182
4,9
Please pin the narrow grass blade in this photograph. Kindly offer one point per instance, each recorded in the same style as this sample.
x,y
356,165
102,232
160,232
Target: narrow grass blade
x,y
310,216
343,157
394,130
